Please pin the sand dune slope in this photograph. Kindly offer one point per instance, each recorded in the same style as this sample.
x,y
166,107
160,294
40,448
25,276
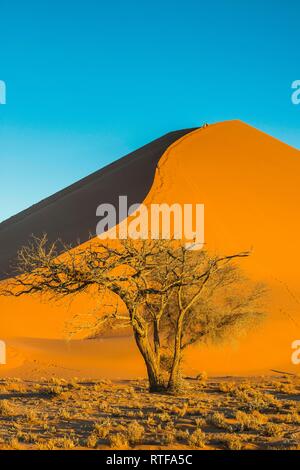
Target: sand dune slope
x,y
70,214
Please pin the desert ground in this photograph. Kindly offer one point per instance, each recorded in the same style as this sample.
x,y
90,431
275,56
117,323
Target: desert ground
x,y
210,413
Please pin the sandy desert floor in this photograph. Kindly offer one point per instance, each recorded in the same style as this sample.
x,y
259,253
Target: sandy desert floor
x,y
218,413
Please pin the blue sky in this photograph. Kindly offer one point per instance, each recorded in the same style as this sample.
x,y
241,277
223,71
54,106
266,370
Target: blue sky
x,y
88,82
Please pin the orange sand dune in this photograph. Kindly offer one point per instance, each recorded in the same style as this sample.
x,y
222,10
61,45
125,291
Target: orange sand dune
x,y
249,184
39,357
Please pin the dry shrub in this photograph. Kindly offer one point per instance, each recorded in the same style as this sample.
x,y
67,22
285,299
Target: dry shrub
x,y
168,436
65,443
164,417
233,442
182,436
291,418
16,387
252,399
227,387
202,378
31,416
92,441
46,445
104,406
55,391
183,410
151,420
287,389
218,420
30,438
250,421
102,429
197,439
118,441
14,443
64,414
200,422
135,432
273,430
57,381
6,409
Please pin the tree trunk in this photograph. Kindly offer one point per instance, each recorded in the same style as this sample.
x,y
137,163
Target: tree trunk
x,y
155,381
174,379
156,341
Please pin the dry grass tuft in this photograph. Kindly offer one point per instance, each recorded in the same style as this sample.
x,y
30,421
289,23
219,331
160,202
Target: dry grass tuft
x,y
135,433
6,409
233,442
118,441
197,439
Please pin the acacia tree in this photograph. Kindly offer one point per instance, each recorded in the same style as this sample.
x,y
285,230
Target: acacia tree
x,y
171,297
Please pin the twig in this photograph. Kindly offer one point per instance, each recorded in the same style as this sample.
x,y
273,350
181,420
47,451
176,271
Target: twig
x,y
282,372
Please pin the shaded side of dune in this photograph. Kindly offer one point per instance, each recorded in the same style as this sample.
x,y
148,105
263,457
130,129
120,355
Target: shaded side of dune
x,y
70,214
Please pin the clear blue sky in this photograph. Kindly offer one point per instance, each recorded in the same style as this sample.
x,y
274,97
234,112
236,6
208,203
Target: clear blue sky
x,y
89,81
